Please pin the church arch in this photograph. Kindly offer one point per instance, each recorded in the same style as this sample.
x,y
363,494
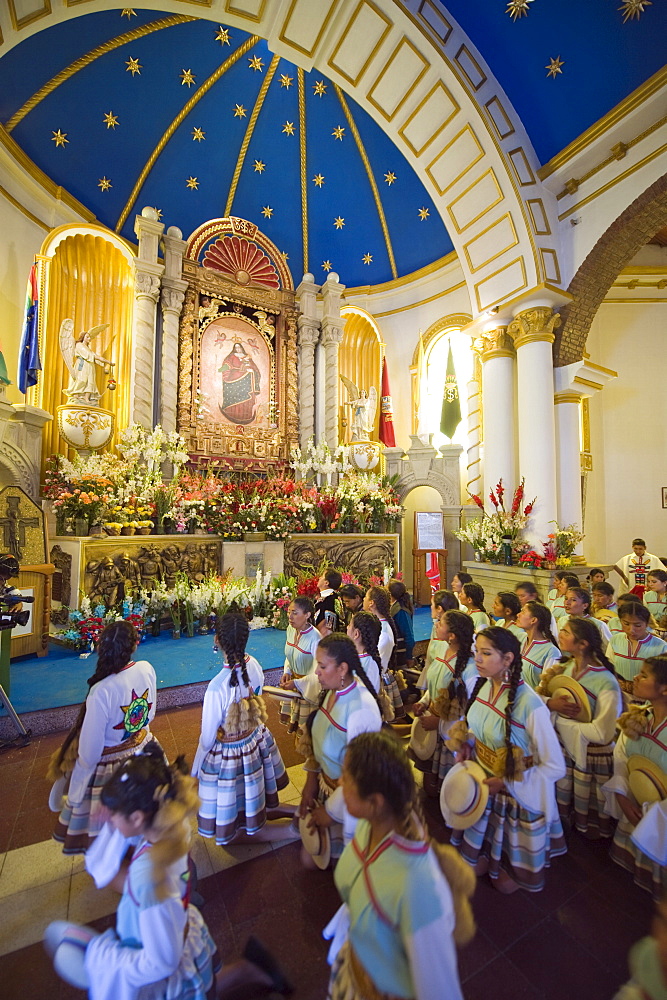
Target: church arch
x,y
360,358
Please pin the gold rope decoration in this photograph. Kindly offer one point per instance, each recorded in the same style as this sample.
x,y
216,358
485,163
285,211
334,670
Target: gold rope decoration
x,y
369,170
83,61
302,154
266,83
183,113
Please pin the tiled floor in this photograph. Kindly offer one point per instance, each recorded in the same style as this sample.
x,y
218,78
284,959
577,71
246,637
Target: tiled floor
x,y
570,941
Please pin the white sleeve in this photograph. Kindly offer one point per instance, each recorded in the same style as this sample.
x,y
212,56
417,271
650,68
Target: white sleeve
x,y
536,790
287,668
309,687
618,783
603,725
105,854
604,629
117,971
365,720
212,717
91,743
430,949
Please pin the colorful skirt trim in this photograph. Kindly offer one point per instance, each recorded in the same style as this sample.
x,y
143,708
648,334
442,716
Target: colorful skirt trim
x,y
78,825
350,981
514,840
388,679
238,781
581,791
647,874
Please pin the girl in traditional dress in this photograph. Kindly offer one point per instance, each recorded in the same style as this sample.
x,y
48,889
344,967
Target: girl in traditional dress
x,y
300,645
655,597
506,607
347,706
562,582
161,947
378,602
402,612
527,591
451,679
405,898
472,598
509,733
539,649
588,746
604,605
443,600
364,630
634,644
238,764
457,583
578,603
643,733
112,725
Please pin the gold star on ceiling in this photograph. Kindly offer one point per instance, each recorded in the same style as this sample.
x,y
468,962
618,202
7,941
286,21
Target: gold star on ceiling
x,y
326,264
286,81
159,213
192,183
554,67
259,167
110,120
60,138
320,88
338,132
187,77
367,258
254,62
517,8
198,134
423,213
133,66
267,211
633,9
104,184
239,111
339,222
288,128
128,12
222,35
390,177
318,180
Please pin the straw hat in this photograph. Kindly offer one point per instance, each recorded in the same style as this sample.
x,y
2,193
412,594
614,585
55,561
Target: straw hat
x,y
316,841
464,795
283,694
648,782
422,741
57,794
563,684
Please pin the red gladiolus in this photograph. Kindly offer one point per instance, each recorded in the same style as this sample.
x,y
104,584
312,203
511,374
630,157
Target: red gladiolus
x,y
528,508
492,498
477,500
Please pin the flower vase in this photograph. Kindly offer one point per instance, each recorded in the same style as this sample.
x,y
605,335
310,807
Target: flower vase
x,y
478,556
176,633
81,527
96,531
155,627
203,626
127,529
192,526
283,621
159,526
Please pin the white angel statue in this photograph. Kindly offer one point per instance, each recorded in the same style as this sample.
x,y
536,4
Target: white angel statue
x,y
81,359
364,407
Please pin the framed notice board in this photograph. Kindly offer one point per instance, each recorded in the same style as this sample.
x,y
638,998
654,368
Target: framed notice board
x,y
429,531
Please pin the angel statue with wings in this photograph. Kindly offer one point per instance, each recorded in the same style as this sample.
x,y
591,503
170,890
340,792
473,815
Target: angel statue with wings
x,y
81,359
364,407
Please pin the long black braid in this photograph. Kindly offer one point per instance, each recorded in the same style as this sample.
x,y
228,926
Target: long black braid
x,y
543,615
586,631
382,600
341,649
370,630
463,627
505,642
510,602
232,631
475,592
114,649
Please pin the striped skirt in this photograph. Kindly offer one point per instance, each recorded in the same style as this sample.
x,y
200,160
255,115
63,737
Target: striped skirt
x,y
324,791
388,679
516,841
77,825
646,873
238,781
581,791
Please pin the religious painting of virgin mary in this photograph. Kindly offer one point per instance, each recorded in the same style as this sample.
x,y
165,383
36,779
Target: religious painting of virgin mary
x,y
235,373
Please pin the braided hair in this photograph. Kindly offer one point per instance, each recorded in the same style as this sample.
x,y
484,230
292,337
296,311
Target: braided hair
x,y
543,615
658,667
446,600
399,592
115,646
167,796
232,632
636,609
369,628
475,592
510,602
463,627
305,605
504,641
585,631
341,649
583,595
378,765
382,601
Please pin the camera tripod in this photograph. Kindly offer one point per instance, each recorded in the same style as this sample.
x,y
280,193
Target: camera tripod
x,y
24,735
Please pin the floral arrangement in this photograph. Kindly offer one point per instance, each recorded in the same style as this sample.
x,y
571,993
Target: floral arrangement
x,y
486,534
319,460
560,545
85,625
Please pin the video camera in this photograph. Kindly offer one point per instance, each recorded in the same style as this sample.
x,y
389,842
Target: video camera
x,y
9,567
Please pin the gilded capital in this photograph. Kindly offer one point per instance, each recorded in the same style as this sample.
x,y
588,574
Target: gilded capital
x,y
534,325
494,344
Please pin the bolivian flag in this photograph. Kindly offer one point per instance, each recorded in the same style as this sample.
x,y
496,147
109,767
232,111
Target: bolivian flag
x,y
29,363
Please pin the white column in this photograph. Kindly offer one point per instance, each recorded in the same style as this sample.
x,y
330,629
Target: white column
x,y
497,353
474,483
532,330
332,335
173,293
308,336
146,292
568,459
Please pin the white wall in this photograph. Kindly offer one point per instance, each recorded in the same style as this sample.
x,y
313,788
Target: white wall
x,y
628,433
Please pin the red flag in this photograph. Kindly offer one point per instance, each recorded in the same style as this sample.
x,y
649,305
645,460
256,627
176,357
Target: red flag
x,y
386,413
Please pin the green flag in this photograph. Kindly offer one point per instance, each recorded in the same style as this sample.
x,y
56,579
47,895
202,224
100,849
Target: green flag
x,y
450,417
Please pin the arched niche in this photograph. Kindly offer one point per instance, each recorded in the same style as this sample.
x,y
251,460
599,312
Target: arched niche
x,y
417,498
360,359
